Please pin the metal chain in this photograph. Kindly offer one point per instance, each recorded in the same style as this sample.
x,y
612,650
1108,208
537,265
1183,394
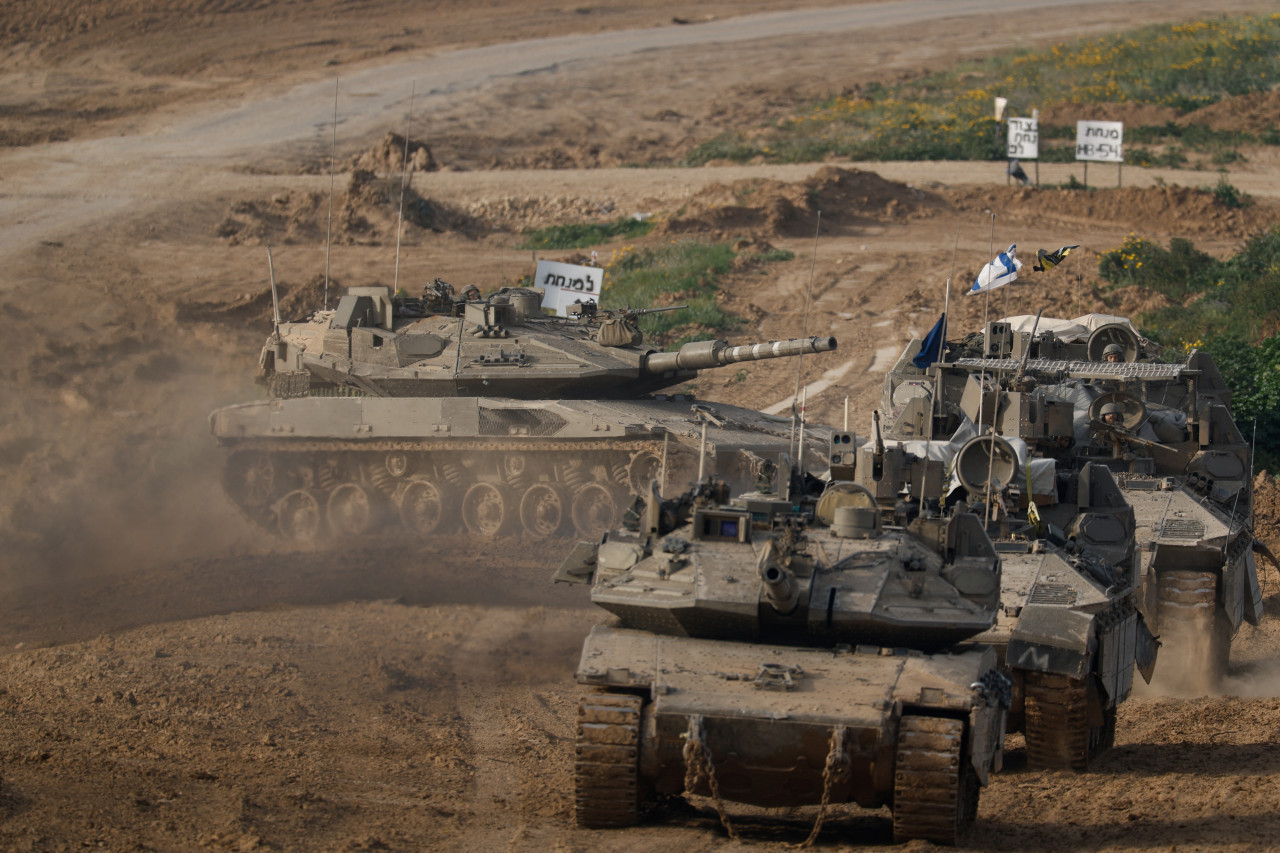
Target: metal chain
x,y
697,765
835,769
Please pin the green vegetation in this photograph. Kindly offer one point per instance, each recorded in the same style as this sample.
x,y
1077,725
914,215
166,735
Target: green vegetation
x,y
679,273
1252,372
581,235
1227,195
1223,307
686,272
948,115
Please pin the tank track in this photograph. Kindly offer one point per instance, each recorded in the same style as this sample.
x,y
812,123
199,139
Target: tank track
x,y
935,788
605,771
310,490
1059,734
1196,633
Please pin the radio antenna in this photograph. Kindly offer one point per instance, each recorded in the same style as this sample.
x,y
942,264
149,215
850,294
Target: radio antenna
x,y
275,298
795,398
404,171
328,233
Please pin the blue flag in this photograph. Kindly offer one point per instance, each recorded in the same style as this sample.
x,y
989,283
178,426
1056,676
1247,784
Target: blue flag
x,y
931,347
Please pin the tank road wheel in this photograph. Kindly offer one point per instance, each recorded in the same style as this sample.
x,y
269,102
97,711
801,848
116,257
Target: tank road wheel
x,y
594,510
250,478
397,464
486,509
514,466
298,514
605,767
1196,638
1057,722
422,506
644,467
935,788
349,510
542,510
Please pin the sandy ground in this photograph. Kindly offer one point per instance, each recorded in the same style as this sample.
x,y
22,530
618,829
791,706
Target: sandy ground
x,y
174,680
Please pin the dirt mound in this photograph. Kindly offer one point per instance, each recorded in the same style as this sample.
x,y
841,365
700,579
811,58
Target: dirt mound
x,y
846,198
1256,112
1150,211
365,214
1133,115
297,302
1266,510
388,156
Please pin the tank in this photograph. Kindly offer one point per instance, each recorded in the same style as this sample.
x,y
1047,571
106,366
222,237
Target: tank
x,y
1176,455
783,652
1069,632
442,412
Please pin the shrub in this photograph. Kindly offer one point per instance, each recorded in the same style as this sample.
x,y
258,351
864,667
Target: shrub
x,y
581,235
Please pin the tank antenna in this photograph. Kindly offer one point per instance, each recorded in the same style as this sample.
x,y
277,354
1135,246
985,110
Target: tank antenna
x,y
404,171
275,298
795,398
328,233
942,349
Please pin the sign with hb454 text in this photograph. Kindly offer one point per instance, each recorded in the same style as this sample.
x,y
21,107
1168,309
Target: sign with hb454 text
x,y
564,284
1024,138
1100,140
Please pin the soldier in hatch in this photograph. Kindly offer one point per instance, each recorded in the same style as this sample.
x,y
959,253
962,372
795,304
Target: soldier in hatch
x,y
1113,354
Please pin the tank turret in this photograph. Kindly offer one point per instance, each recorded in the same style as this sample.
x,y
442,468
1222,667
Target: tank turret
x,y
501,346
783,650
445,413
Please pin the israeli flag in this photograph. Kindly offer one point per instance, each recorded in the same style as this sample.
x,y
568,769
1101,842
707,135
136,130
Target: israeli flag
x,y
999,272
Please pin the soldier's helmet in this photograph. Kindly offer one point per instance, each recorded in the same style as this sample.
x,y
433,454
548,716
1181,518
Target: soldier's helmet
x,y
1113,349
1111,409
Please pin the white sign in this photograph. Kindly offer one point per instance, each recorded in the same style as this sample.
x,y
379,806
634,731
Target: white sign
x,y
564,284
1100,140
1024,139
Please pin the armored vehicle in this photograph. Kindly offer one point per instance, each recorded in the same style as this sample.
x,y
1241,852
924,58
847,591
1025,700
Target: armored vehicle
x,y
1177,457
1068,632
434,413
778,651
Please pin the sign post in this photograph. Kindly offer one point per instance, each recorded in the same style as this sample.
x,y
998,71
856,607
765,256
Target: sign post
x,y
1024,141
564,284
1100,141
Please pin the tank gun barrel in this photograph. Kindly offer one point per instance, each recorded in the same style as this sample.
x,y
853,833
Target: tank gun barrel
x,y
780,587
701,355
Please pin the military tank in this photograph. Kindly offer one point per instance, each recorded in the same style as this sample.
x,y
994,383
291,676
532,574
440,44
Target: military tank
x,y
441,412
1168,438
780,651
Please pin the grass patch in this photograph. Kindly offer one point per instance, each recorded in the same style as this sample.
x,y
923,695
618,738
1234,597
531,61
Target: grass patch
x,y
1231,298
948,115
686,272
681,273
1222,307
581,235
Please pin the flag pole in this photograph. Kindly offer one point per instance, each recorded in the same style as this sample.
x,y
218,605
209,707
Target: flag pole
x,y
991,247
